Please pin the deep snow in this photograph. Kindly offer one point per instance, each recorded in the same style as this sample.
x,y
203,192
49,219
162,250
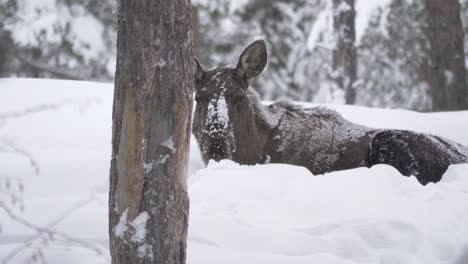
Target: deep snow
x,y
239,214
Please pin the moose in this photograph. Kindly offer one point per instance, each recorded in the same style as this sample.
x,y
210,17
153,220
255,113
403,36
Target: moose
x,y
230,122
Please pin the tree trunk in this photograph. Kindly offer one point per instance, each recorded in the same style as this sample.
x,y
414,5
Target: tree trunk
x,y
148,202
196,31
449,88
344,53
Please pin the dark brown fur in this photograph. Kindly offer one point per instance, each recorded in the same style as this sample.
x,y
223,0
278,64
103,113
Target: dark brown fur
x,y
230,122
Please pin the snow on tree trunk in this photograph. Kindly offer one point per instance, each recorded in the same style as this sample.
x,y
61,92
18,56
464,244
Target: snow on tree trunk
x,y
344,53
449,87
148,202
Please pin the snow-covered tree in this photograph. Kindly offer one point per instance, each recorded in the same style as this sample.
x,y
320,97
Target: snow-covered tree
x,y
72,39
294,71
76,39
393,58
220,31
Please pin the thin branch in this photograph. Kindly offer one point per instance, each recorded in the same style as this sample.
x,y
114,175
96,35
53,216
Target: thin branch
x,y
44,234
12,188
324,47
82,105
48,107
50,69
30,110
22,152
23,221
49,232
72,209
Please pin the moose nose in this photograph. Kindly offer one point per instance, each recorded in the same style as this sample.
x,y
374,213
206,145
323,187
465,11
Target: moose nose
x,y
219,149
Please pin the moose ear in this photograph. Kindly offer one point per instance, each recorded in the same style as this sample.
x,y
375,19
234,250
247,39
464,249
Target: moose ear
x,y
253,60
198,71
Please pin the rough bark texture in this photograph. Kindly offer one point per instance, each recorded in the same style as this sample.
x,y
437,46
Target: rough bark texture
x,y
344,53
151,132
196,31
449,88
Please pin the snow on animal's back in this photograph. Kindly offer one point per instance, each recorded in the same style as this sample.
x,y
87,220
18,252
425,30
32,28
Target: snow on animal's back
x,y
451,125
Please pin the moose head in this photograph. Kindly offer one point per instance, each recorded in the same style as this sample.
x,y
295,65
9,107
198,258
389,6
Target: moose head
x,y
226,108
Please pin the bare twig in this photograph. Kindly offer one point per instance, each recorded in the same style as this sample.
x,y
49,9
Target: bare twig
x,y
22,221
82,104
10,146
48,233
44,234
12,188
52,70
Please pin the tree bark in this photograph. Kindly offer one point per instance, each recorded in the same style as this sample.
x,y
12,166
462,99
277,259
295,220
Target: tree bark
x,y
148,202
196,31
449,88
344,53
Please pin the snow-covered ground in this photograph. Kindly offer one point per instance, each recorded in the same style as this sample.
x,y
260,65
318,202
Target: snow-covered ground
x,y
238,214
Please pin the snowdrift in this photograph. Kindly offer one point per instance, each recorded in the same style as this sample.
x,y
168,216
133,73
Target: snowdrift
x,y
55,136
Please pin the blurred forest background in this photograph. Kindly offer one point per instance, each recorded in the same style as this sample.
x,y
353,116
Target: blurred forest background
x,y
76,39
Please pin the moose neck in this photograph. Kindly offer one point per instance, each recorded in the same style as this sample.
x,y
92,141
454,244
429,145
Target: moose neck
x,y
253,133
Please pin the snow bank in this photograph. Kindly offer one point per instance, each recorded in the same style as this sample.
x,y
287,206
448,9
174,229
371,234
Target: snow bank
x,y
239,214
282,214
